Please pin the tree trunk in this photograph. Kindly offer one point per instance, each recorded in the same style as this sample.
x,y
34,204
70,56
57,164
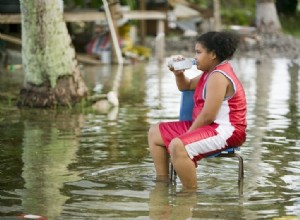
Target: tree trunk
x,y
217,15
267,20
52,74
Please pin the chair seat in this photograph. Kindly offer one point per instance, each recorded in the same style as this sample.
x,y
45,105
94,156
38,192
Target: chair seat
x,y
228,151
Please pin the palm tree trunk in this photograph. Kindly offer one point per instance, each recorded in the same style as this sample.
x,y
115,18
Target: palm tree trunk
x,y
52,74
267,20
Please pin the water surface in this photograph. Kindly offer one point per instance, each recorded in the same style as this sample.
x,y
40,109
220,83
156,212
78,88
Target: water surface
x,y
85,164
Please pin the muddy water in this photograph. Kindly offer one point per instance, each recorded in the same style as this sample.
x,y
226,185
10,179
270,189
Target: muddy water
x,y
89,164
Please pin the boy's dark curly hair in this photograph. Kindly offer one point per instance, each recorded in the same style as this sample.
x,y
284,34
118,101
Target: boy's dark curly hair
x,y
224,44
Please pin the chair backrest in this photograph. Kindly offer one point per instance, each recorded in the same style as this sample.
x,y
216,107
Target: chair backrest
x,y
186,105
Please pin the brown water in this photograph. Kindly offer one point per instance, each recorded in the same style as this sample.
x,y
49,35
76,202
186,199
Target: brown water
x,y
83,164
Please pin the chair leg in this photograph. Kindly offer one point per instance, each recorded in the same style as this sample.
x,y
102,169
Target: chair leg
x,y
241,163
172,173
241,166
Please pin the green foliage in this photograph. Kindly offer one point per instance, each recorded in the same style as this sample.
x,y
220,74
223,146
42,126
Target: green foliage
x,y
238,12
97,3
238,3
291,25
238,16
200,3
131,3
84,3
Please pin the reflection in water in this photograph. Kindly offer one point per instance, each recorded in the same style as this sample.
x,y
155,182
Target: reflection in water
x,y
270,153
70,165
163,205
47,152
287,139
256,132
293,129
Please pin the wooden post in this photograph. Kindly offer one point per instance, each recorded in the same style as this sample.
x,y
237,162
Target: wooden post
x,y
160,41
142,23
113,27
217,16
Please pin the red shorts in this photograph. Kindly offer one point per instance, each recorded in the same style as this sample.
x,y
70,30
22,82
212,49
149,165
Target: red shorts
x,y
204,141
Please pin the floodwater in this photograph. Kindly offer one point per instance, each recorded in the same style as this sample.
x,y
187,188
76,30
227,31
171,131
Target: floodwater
x,y
86,164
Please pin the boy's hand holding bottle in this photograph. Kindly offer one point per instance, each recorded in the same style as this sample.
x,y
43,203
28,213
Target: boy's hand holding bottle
x,y
181,63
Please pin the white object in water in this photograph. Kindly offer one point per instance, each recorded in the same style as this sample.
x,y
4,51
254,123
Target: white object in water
x,y
112,98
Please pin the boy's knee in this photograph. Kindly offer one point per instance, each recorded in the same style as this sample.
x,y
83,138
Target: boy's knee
x,y
153,130
177,148
154,135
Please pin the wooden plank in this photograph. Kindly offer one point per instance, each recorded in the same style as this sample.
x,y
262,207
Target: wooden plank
x,y
92,16
87,59
84,16
68,17
144,15
10,18
10,39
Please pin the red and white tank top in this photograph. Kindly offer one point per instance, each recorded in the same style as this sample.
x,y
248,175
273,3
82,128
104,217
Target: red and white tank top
x,y
233,109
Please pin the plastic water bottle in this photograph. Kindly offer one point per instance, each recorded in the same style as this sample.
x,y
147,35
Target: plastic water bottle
x,y
183,64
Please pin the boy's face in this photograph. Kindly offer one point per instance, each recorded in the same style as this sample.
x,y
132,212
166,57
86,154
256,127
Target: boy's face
x,y
205,59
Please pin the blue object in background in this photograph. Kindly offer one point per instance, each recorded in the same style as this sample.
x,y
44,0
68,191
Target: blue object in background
x,y
186,105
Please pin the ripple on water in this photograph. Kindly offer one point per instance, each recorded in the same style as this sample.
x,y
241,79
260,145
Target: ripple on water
x,y
112,192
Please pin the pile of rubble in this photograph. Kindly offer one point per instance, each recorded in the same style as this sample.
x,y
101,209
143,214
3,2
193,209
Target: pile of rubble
x,y
257,46
273,46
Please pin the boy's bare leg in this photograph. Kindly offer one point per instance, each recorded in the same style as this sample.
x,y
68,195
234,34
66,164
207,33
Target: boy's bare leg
x,y
184,166
159,153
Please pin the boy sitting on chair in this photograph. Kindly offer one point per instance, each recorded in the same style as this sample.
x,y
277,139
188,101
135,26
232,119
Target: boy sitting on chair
x,y
219,113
